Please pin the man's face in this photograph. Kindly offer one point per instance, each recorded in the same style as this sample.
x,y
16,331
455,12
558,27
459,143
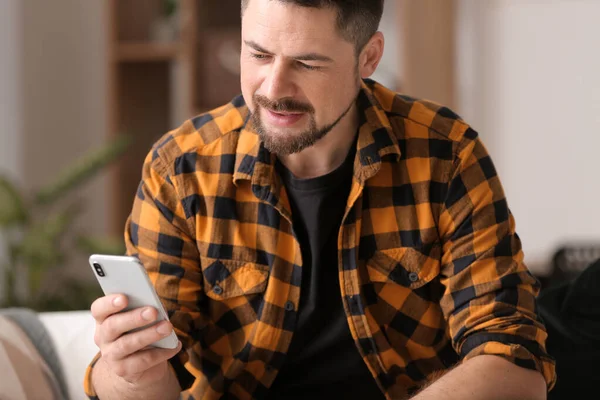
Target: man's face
x,y
299,77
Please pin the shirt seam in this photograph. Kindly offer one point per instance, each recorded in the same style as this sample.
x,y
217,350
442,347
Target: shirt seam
x,y
165,172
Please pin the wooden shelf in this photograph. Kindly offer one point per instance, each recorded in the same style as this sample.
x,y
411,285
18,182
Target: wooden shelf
x,y
146,96
146,51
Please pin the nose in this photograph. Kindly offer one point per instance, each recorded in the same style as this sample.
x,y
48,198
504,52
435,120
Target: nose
x,y
279,83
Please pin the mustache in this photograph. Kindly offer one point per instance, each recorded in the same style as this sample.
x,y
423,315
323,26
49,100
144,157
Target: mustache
x,y
283,105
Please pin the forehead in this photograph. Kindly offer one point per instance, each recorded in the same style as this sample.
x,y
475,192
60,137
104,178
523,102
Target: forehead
x,y
288,26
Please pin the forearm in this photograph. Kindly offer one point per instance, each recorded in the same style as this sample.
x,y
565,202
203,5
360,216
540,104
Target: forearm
x,y
109,386
487,377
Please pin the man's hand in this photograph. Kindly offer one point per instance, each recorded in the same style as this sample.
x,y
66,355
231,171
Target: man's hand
x,y
128,355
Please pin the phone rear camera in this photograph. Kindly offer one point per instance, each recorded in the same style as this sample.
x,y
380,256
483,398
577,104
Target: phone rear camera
x,y
98,269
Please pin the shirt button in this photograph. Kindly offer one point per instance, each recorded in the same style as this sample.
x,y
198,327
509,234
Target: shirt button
x,y
413,277
289,306
218,290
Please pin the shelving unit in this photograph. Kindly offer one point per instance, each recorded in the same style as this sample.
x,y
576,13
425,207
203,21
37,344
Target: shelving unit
x,y
155,84
144,51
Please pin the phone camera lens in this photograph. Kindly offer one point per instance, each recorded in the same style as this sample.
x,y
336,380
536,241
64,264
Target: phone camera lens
x,y
98,269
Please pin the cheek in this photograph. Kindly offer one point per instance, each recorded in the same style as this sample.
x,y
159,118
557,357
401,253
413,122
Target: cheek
x,y
249,84
333,95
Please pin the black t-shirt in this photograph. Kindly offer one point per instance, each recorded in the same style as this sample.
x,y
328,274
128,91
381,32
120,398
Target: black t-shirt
x,y
323,361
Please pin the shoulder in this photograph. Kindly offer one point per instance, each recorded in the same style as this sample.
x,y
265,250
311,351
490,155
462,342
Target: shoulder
x,y
413,118
212,133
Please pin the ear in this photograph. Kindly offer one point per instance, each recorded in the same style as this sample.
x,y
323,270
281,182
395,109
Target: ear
x,y
370,56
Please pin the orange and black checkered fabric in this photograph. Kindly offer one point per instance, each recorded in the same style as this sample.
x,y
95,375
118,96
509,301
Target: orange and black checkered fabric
x,y
430,266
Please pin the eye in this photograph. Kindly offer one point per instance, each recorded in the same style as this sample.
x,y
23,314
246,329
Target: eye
x,y
259,56
308,67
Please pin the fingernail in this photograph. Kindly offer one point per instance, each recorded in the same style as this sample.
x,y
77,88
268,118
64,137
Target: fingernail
x,y
164,329
147,314
118,301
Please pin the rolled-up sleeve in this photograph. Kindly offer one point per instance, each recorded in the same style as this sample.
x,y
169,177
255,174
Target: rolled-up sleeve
x,y
490,295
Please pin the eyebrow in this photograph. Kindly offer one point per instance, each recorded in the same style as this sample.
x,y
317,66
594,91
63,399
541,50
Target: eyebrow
x,y
300,57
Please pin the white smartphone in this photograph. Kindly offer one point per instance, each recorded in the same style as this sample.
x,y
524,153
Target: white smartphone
x,y
126,275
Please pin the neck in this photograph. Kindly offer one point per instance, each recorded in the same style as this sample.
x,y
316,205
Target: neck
x,y
328,153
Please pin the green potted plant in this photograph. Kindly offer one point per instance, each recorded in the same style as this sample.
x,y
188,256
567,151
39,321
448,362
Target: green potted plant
x,y
39,234
166,27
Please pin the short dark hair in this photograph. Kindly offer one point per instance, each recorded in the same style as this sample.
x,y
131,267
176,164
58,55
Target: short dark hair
x,y
357,20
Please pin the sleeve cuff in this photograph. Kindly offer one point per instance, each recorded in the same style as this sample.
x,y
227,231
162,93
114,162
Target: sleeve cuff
x,y
521,352
87,380
184,377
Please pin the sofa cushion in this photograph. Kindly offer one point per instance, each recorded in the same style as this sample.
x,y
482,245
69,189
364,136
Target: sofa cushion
x,y
29,321
23,372
73,335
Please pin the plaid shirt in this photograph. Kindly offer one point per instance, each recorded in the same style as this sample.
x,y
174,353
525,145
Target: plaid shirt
x,y
430,266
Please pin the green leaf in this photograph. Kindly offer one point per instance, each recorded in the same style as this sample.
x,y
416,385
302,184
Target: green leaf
x,y
38,271
83,169
12,206
73,296
101,245
56,224
10,295
40,248
169,7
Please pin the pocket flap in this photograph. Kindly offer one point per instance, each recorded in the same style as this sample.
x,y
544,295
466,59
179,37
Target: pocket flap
x,y
407,266
224,279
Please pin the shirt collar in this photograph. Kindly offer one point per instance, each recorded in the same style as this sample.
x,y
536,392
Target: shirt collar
x,y
376,139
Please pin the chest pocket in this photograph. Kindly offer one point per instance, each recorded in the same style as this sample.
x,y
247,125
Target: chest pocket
x,y
226,279
406,266
403,297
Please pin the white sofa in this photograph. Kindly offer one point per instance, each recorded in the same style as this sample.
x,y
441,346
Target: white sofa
x,y
73,335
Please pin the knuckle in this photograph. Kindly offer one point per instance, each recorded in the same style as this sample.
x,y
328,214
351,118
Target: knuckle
x,y
109,327
131,319
110,353
120,348
119,369
97,337
138,341
147,358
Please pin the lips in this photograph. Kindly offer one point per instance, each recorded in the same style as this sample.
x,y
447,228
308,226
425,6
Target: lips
x,y
283,119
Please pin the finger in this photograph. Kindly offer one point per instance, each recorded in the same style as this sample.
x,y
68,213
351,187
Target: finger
x,y
143,360
133,342
118,324
106,306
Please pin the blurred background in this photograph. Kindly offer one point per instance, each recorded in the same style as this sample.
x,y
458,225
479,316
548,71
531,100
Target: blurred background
x,y
86,87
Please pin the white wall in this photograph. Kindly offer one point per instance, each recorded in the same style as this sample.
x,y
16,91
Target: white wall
x,y
10,90
64,64
388,71
530,84
52,99
10,101
65,101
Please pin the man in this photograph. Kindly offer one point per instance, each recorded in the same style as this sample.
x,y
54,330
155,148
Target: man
x,y
323,237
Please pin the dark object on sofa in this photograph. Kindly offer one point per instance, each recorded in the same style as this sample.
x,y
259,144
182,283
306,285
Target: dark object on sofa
x,y
571,312
569,260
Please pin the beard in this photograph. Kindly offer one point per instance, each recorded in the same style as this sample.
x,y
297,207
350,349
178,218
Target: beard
x,y
288,142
